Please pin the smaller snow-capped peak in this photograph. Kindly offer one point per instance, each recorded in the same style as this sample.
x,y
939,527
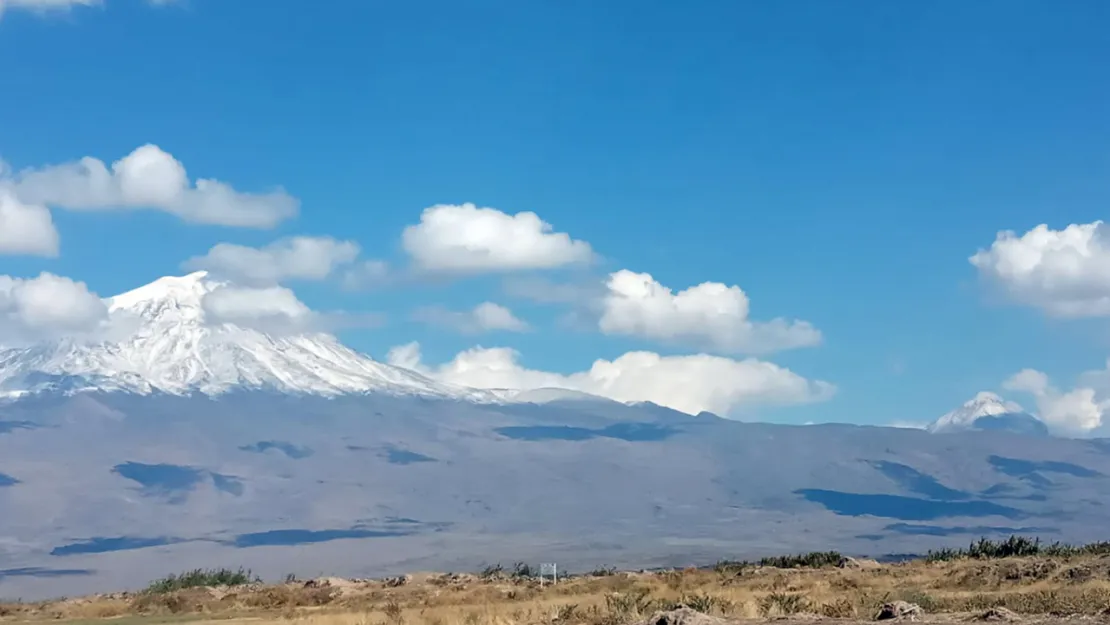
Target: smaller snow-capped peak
x,y
988,411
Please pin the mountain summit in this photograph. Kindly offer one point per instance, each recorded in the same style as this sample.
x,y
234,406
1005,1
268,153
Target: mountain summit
x,y
988,411
165,338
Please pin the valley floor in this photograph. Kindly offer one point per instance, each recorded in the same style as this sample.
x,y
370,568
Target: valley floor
x,y
1033,589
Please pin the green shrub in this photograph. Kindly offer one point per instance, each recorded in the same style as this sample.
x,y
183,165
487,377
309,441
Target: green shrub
x,y
1016,547
492,571
522,570
812,560
200,578
635,603
784,603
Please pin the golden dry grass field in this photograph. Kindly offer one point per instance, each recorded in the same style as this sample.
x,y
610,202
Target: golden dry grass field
x,y
1037,588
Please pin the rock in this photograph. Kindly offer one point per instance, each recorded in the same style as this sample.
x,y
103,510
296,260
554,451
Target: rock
x,y
682,616
395,582
330,582
899,610
857,563
999,614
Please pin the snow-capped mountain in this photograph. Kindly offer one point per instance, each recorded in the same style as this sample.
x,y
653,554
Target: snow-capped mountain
x,y
162,342
988,411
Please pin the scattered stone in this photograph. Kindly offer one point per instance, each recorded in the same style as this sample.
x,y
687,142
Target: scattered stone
x,y
683,616
899,610
798,617
396,582
331,582
847,562
999,614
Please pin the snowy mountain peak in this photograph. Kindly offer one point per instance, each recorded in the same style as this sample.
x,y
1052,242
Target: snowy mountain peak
x,y
160,341
179,293
988,411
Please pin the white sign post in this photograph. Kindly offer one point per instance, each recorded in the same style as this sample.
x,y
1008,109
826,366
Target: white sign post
x,y
549,568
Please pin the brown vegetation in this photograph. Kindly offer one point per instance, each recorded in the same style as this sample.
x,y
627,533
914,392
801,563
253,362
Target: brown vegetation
x,y
993,589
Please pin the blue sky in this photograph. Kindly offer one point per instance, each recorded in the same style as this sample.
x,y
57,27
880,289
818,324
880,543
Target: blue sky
x,y
839,162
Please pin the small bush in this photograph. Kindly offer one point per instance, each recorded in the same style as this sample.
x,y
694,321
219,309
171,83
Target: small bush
x,y
1016,547
201,578
492,571
567,612
706,603
784,603
394,612
731,567
522,570
840,608
812,560
630,604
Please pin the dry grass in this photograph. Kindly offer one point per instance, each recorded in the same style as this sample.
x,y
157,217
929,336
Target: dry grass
x,y
1035,585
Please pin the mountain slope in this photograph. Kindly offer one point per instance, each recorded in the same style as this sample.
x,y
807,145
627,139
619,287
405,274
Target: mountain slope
x,y
165,343
377,484
987,411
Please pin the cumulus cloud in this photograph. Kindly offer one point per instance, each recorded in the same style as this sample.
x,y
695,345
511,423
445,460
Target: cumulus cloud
x,y
26,229
366,274
1065,273
585,293
690,384
51,6
298,258
485,317
275,309
151,178
47,306
908,425
1072,413
45,6
468,239
709,316
238,303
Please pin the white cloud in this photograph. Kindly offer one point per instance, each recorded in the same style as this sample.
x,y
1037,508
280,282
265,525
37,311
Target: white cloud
x,y
1072,413
366,274
908,425
26,229
1065,272
468,239
240,303
44,6
49,6
276,310
47,306
687,383
709,316
485,317
541,290
300,258
151,178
